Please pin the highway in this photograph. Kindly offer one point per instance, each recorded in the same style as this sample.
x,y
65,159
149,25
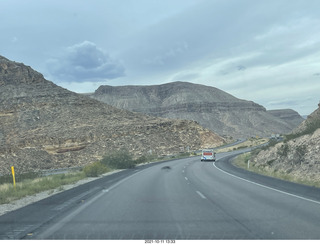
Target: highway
x,y
179,199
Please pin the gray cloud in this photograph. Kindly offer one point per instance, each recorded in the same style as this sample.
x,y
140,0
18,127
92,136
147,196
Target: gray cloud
x,y
252,49
185,76
83,62
214,29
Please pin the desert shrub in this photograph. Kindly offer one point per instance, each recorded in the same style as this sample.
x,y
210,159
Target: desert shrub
x,y
95,169
270,162
142,159
119,160
146,158
301,150
283,150
256,151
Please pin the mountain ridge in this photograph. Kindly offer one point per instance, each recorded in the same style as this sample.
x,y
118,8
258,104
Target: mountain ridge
x,y
211,107
290,116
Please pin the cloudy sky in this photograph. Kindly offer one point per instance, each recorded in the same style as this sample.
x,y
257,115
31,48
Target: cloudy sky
x,y
267,51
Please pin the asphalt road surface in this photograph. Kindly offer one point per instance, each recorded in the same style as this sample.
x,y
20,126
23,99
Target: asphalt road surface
x,y
179,199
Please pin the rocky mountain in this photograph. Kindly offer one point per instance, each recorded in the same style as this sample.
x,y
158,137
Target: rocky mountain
x,y
44,126
211,107
290,116
299,156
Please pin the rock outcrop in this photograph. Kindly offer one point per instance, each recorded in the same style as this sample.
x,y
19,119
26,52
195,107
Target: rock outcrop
x,y
44,126
312,121
298,156
211,107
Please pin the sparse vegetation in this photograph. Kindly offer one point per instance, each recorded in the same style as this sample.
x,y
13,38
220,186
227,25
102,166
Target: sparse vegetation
x,y
243,158
311,127
242,162
31,183
271,143
183,155
29,187
283,150
121,159
95,169
19,177
124,160
301,151
252,142
147,158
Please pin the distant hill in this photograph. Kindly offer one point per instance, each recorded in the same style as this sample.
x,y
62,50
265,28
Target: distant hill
x,y
290,116
44,126
211,107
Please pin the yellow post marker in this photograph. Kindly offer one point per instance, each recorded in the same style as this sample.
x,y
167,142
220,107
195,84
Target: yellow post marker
x,y
14,178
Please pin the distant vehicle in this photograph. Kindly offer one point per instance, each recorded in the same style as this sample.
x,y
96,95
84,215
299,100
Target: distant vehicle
x,y
208,155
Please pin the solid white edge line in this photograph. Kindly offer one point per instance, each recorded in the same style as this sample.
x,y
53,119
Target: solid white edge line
x,y
201,195
267,187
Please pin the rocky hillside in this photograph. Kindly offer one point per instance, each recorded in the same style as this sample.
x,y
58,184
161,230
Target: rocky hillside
x,y
44,126
299,155
211,107
313,120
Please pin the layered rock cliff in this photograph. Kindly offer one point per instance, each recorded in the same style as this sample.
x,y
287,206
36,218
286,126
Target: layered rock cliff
x,y
44,126
211,107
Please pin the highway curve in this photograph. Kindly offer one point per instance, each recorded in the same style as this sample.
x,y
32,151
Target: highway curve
x,y
179,199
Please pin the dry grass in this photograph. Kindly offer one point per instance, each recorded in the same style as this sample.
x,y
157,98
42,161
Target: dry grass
x,y
32,186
